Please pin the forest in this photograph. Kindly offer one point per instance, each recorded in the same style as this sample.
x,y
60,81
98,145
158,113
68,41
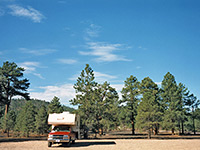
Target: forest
x,y
143,107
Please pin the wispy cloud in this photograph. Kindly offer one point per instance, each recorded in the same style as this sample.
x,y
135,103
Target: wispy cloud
x,y
102,77
67,61
28,12
2,12
92,31
37,52
30,68
104,51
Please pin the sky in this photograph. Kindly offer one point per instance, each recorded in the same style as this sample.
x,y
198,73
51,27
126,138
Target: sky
x,y
55,39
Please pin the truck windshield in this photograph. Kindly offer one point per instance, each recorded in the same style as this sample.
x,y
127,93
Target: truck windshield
x,y
61,128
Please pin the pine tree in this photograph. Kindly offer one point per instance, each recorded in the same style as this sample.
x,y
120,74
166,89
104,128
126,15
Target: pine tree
x,y
8,123
55,106
192,104
26,119
147,85
106,106
172,102
130,94
11,83
41,120
85,97
148,113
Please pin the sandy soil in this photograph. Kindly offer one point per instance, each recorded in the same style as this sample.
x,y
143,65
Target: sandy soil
x,y
126,144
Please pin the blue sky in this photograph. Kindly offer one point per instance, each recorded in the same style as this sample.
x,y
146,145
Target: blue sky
x,y
53,40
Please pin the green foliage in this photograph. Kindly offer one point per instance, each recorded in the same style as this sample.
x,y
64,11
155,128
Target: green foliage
x,y
41,120
97,103
173,103
8,123
11,83
26,119
148,113
55,106
130,94
85,97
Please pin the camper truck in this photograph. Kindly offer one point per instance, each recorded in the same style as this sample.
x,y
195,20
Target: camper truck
x,y
65,128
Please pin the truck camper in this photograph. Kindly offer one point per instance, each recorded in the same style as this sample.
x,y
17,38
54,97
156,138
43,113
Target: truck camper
x,y
65,128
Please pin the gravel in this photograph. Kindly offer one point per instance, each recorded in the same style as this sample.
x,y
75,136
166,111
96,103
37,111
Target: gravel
x,y
119,144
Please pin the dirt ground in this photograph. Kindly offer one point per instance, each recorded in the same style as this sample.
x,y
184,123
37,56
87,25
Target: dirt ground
x,y
117,144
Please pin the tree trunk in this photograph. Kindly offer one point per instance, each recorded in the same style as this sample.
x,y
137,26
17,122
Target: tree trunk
x,y
6,109
182,127
172,131
193,120
133,124
156,129
149,134
133,128
7,132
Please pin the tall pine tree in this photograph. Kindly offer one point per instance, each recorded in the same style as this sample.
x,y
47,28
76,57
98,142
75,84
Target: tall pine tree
x,y
172,102
147,85
130,93
11,83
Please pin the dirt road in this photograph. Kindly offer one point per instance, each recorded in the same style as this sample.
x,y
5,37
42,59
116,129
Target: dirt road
x,y
127,144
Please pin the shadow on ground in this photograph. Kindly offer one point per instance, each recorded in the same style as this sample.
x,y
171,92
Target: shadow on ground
x,y
86,144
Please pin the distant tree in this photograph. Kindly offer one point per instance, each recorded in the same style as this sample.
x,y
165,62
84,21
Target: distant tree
x,y
55,106
41,120
130,93
148,113
173,103
11,83
192,104
147,85
8,123
26,119
182,117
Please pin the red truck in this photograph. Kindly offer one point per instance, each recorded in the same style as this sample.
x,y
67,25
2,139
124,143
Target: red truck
x,y
65,128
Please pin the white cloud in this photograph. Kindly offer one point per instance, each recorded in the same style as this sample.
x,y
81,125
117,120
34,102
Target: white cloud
x,y
138,67
38,52
67,61
65,92
101,77
92,31
158,83
30,68
28,12
104,51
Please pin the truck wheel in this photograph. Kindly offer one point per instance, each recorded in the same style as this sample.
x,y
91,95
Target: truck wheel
x,y
49,144
73,141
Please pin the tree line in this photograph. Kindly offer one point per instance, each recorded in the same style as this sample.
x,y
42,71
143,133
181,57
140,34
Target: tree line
x,y
144,105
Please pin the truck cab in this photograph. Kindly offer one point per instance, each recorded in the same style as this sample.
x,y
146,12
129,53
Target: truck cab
x,y
65,128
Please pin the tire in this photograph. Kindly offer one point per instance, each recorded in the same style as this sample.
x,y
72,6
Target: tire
x,y
49,144
73,141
